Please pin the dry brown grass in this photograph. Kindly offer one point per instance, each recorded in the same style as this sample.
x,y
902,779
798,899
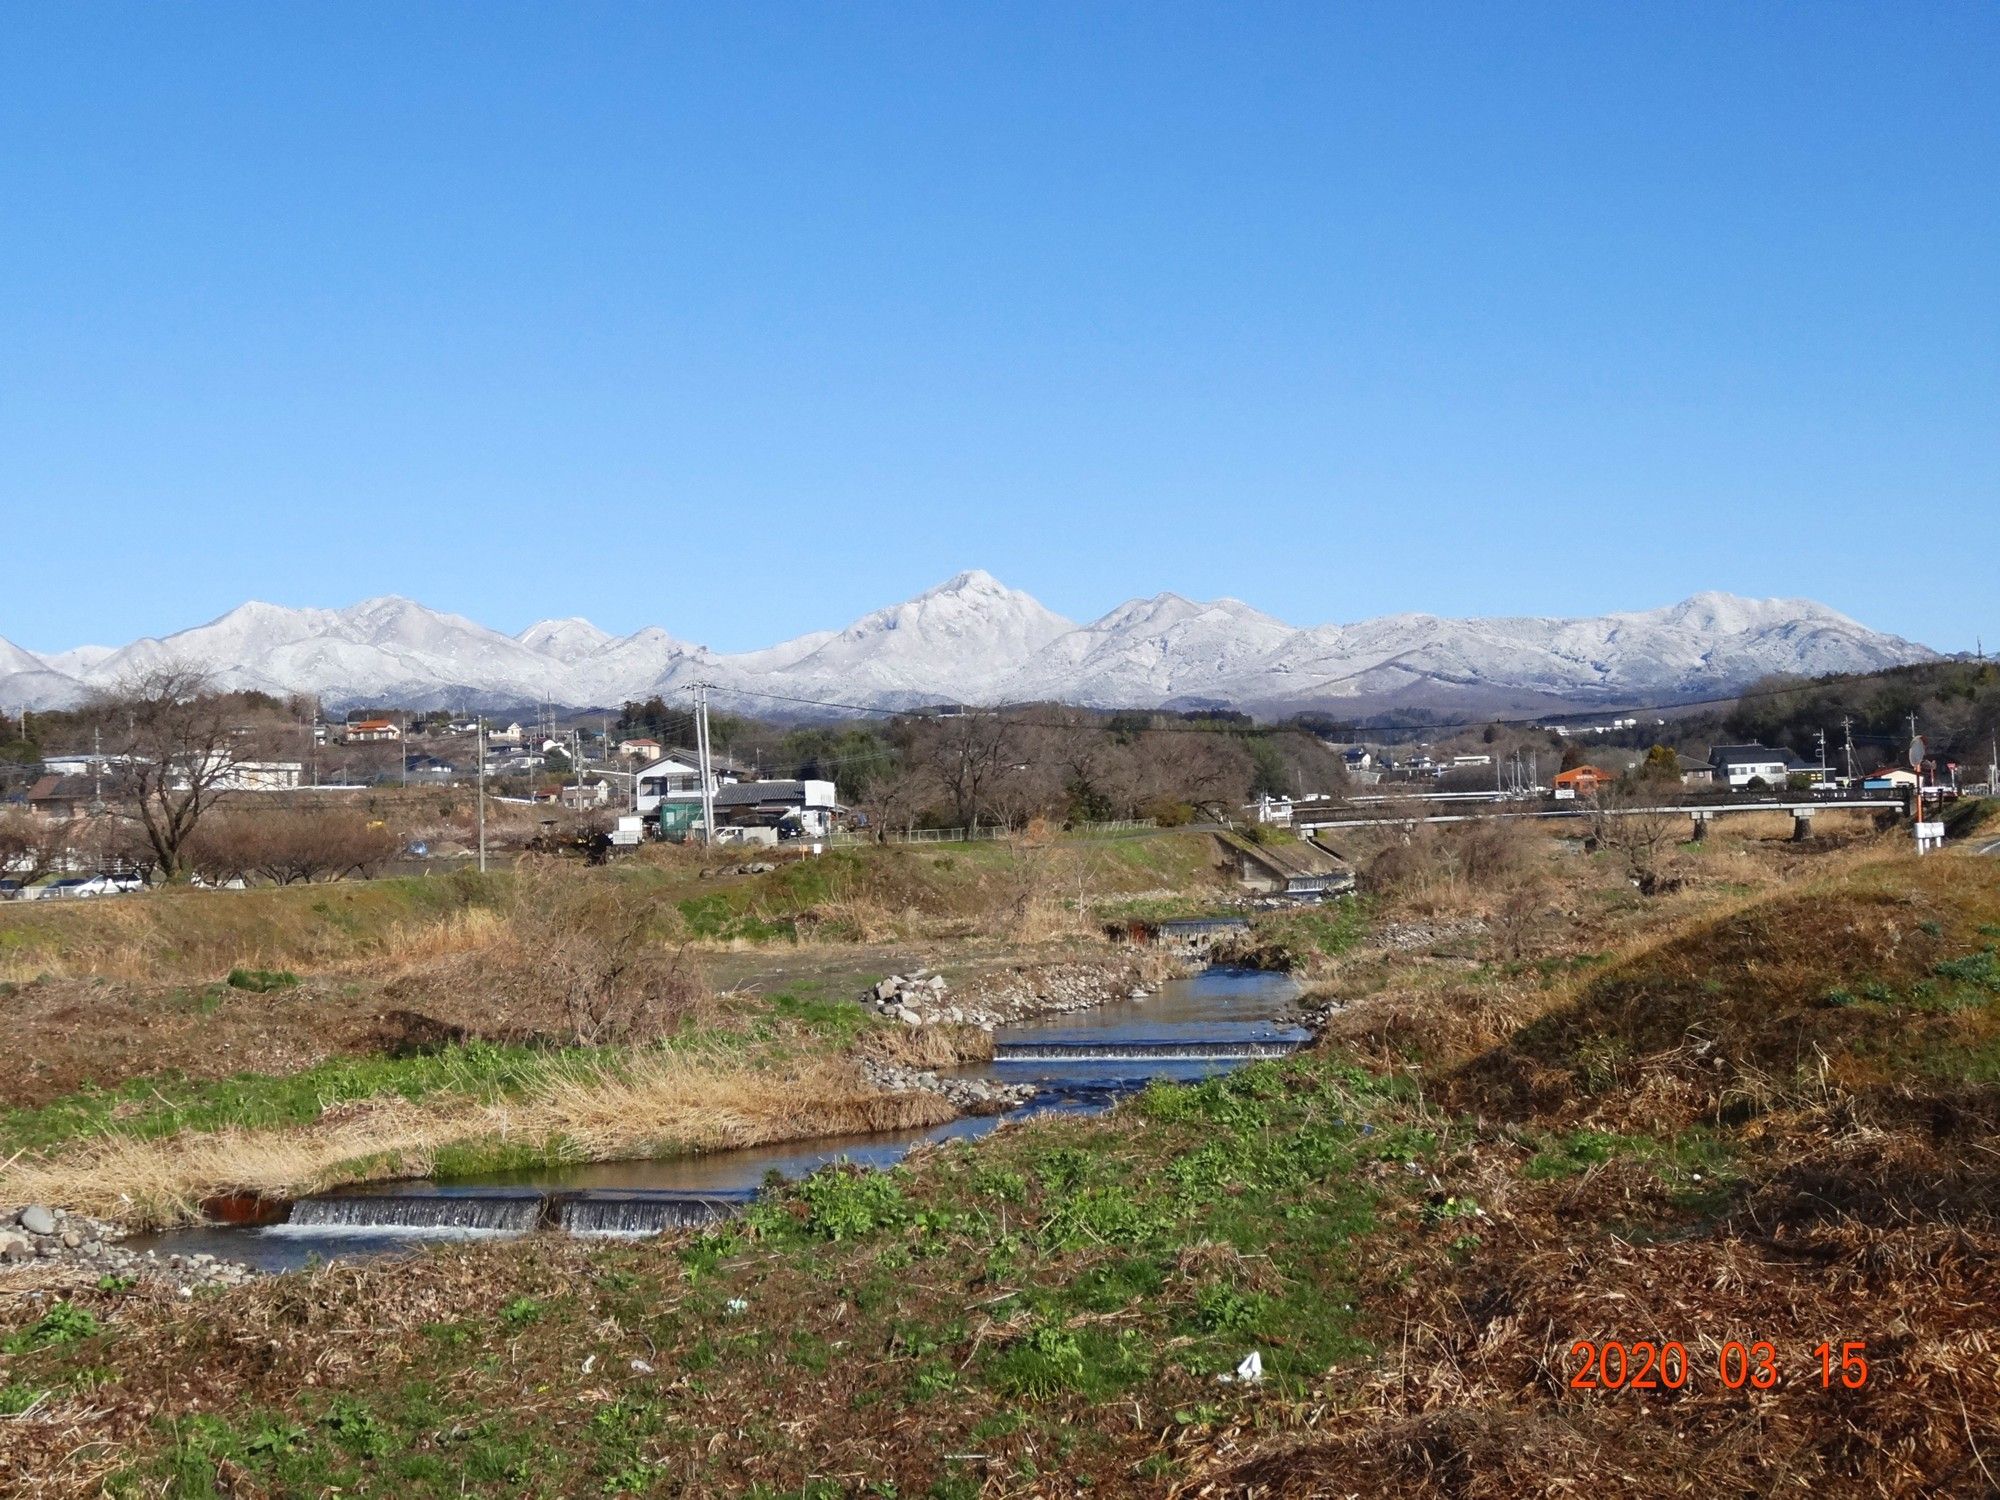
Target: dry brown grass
x,y
1741,1002
198,935
926,1046
685,1101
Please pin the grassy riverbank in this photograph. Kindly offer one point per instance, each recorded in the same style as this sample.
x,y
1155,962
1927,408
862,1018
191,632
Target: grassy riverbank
x,y
148,1152
1758,1108
558,1013
866,893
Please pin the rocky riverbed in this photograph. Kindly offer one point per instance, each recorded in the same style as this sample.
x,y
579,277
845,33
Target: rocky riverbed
x,y
972,1096
925,998
37,1238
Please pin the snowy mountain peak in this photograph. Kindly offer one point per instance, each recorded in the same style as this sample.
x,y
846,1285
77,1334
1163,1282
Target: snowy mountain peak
x,y
569,639
971,581
973,639
14,659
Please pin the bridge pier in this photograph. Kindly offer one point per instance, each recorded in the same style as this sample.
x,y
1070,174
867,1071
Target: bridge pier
x,y
1701,820
1802,824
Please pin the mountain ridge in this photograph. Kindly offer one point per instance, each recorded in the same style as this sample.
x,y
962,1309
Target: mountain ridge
x,y
973,639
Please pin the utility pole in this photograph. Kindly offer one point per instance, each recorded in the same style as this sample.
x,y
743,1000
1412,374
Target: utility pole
x,y
700,691
481,741
1847,731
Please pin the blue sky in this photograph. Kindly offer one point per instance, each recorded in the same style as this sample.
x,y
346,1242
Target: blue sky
x,y
743,320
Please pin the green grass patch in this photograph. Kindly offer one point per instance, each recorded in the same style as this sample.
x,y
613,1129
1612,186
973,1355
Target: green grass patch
x,y
162,1106
262,981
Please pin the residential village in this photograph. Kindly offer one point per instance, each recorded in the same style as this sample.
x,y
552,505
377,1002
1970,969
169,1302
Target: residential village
x,y
604,782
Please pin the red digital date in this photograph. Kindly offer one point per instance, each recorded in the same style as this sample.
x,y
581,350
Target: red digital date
x,y
1614,1365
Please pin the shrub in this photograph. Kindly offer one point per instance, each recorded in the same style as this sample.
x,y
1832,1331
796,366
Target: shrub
x,y
262,981
601,954
844,1204
1452,864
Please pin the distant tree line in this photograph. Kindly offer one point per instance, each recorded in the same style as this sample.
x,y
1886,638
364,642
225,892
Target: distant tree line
x,y
1957,704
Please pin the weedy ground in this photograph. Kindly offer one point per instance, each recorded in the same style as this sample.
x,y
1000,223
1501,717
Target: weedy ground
x,y
1760,1109
413,1026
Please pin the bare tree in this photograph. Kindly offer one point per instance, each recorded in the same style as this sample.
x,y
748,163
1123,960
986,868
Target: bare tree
x,y
291,845
1208,772
968,753
1640,822
897,798
33,846
174,753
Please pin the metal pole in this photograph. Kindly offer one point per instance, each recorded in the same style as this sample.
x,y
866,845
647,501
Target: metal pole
x,y
481,732
701,747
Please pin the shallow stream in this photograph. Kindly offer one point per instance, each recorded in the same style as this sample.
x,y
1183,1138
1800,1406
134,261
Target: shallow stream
x,y
1080,1063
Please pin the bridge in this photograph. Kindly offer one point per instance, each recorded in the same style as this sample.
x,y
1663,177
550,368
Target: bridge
x,y
1701,813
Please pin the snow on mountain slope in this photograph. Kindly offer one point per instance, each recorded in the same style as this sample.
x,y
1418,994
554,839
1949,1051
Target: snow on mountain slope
x,y
972,639
956,641
14,659
1152,651
566,640
77,659
387,647
27,680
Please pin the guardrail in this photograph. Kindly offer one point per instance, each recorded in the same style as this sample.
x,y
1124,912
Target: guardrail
x,y
1700,812
848,837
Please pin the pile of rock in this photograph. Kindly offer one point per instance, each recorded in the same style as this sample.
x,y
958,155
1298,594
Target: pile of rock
x,y
59,1240
972,1096
921,998
1045,989
1411,937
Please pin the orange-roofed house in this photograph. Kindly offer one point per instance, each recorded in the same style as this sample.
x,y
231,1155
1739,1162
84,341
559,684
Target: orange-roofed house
x,y
1581,781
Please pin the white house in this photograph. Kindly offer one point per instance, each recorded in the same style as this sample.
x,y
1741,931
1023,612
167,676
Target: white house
x,y
671,787
261,776
794,808
1736,766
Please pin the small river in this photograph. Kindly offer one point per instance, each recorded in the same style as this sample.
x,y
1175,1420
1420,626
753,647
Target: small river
x,y
1080,1063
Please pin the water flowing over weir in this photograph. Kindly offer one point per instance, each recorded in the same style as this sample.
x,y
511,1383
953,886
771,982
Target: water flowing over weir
x,y
1080,1063
490,1213
1082,1052
642,1213
511,1211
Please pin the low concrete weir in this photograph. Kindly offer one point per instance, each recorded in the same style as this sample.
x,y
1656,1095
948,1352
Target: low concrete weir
x,y
1110,1051
418,1211
444,1210
619,1214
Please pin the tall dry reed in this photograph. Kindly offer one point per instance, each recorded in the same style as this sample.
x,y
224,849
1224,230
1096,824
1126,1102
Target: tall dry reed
x,y
655,1102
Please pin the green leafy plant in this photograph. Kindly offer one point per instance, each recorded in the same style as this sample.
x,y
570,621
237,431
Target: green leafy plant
x,y
843,1204
64,1323
262,981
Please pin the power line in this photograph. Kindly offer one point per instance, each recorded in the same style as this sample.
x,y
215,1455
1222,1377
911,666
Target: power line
x,y
1189,727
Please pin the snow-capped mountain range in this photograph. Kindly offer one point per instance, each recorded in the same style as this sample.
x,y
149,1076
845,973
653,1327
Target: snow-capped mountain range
x,y
974,640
